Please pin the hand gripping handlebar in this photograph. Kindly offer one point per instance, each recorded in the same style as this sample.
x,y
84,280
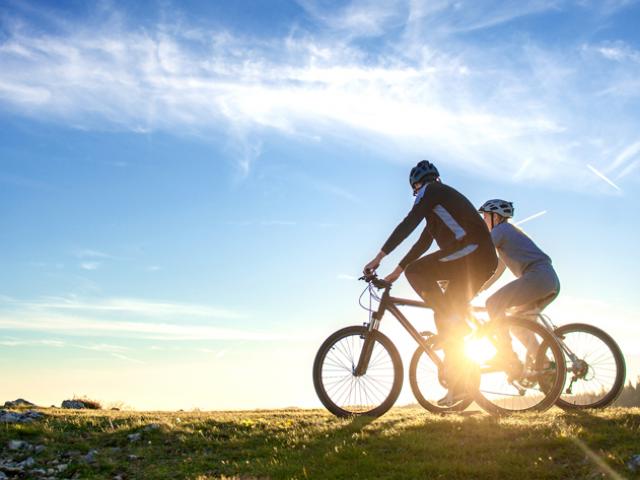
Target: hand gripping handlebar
x,y
373,279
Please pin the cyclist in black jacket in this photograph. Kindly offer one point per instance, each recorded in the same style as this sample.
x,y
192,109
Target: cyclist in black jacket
x,y
464,262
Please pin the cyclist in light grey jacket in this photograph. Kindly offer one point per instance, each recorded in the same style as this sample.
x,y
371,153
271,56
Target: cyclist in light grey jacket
x,y
536,284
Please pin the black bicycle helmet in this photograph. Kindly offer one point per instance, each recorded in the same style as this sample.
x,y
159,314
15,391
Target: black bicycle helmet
x,y
424,170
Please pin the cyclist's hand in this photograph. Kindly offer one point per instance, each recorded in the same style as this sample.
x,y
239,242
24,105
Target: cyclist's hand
x,y
393,276
371,267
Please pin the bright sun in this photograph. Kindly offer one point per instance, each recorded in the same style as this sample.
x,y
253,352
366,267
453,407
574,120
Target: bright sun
x,y
479,349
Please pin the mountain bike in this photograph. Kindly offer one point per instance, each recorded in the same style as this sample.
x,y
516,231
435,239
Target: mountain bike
x,y
595,364
358,370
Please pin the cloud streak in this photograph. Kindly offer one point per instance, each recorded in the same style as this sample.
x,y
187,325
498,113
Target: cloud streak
x,y
530,217
130,306
85,326
115,351
603,177
124,318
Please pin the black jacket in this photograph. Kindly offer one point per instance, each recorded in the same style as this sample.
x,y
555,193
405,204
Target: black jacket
x,y
452,221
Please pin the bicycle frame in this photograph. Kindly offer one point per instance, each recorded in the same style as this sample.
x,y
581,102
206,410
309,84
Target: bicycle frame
x,y
391,304
545,321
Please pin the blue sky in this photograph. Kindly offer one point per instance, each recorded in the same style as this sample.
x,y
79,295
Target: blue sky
x,y
188,189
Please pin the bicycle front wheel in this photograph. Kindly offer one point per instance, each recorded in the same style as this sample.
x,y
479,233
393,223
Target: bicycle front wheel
x,y
426,385
529,381
595,376
343,392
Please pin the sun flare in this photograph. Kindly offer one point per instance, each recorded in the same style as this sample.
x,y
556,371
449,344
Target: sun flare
x,y
479,349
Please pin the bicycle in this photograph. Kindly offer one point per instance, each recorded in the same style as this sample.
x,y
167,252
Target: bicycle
x,y
358,370
595,364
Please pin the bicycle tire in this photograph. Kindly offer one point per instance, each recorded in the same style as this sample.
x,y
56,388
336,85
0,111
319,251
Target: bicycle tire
x,y
506,401
425,382
340,391
599,361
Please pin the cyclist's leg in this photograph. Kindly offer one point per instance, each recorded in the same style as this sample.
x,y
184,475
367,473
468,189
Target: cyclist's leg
x,y
423,275
470,273
522,293
526,337
464,275
536,284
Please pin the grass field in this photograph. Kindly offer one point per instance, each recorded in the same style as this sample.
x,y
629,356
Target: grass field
x,y
405,443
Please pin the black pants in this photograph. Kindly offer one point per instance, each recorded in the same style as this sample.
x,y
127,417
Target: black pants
x,y
464,276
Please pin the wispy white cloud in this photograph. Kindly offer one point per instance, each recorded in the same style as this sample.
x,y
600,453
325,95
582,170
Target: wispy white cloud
x,y
452,16
619,52
344,276
126,358
86,326
278,223
122,318
92,254
336,191
93,259
31,343
90,265
263,223
631,152
621,62
359,18
470,107
130,306
115,351
103,347
631,167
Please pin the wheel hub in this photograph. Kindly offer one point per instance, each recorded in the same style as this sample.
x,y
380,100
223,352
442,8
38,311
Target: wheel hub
x,y
580,369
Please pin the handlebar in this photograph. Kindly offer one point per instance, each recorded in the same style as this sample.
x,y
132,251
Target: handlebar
x,y
373,279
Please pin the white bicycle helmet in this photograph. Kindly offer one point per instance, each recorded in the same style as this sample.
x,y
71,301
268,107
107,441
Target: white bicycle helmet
x,y
501,207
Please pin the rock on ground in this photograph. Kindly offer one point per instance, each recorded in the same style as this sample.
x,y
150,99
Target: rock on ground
x,y
19,402
76,404
19,417
91,456
634,463
18,445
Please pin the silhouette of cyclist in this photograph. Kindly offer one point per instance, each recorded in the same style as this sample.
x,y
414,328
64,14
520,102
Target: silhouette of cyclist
x,y
465,261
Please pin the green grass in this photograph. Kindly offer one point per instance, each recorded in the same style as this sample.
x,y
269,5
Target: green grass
x,y
405,443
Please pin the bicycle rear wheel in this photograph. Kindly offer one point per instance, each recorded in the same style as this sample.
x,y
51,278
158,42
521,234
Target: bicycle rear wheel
x,y
427,386
596,377
532,381
341,391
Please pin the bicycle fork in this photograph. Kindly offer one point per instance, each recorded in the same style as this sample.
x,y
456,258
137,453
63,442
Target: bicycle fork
x,y
367,347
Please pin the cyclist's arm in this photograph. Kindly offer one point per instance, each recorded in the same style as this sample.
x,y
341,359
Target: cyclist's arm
x,y
418,249
404,229
496,275
421,246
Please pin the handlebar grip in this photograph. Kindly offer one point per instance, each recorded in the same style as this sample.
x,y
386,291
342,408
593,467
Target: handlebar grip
x,y
380,283
373,279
